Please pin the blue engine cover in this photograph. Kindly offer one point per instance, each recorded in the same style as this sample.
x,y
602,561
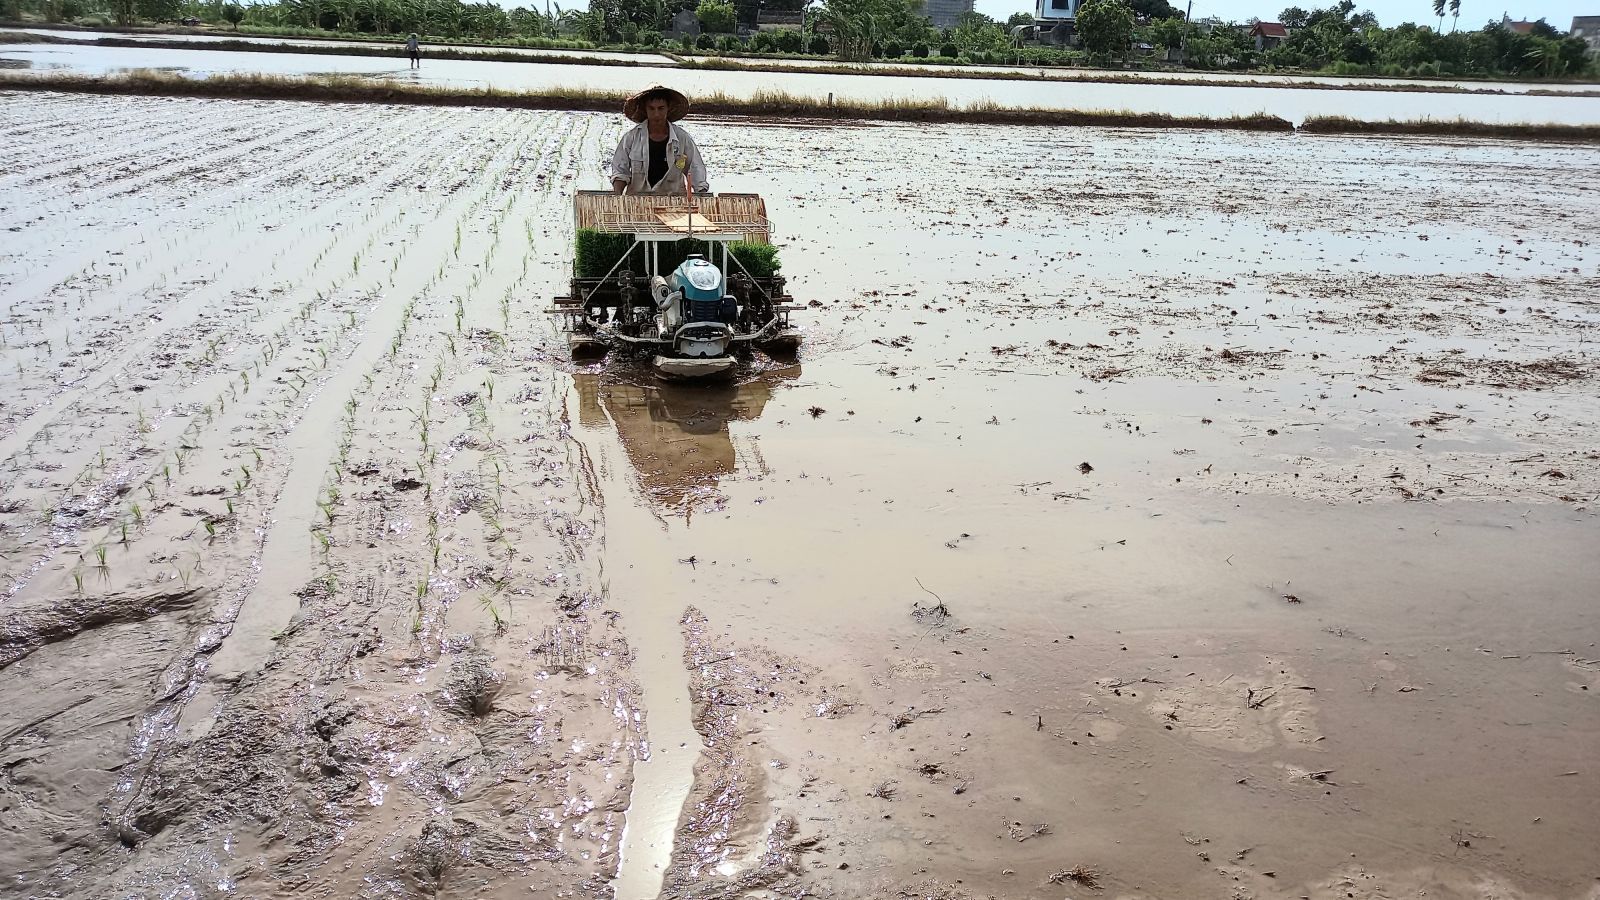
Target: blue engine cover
x,y
698,279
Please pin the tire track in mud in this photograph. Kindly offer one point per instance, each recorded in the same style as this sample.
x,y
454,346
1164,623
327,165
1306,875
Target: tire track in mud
x,y
635,571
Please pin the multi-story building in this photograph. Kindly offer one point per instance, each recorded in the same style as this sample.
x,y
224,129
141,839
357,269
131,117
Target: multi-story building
x,y
1049,12
1588,28
944,13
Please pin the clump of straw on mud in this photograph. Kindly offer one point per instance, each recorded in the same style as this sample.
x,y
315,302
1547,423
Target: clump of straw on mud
x,y
1081,875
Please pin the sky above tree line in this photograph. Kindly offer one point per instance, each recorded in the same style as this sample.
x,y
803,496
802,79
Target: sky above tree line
x,y
1390,12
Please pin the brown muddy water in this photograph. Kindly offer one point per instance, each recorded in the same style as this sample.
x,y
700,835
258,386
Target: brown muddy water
x,y
1147,515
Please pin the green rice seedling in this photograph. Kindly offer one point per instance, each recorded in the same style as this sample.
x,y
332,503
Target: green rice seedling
x,y
327,511
100,556
257,452
487,602
144,424
451,339
238,487
488,386
211,529
102,459
355,264
324,542
77,581
324,354
166,474
229,504
150,489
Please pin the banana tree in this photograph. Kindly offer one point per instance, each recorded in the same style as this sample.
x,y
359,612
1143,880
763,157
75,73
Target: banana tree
x,y
1546,55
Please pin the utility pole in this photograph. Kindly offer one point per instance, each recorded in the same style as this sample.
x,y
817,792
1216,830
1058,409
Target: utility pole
x,y
1183,36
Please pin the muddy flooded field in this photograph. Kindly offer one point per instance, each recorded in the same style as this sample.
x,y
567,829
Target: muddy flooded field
x,y
1147,515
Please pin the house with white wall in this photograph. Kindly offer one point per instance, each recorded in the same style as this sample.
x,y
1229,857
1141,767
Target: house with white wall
x,y
1054,20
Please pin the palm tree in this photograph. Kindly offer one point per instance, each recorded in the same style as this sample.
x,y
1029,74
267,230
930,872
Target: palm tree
x,y
1438,10
1455,15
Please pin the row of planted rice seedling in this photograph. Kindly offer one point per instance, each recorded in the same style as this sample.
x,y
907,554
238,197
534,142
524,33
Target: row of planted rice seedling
x,y
222,353
439,381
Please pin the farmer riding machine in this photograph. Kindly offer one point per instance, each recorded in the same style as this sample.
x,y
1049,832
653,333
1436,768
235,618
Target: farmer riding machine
x,y
692,281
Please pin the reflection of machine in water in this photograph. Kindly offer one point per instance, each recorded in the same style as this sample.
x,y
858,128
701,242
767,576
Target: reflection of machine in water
x,y
677,436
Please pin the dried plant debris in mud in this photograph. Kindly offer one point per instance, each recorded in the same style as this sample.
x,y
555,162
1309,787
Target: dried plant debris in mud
x,y
1249,879
1080,875
1247,711
1457,369
730,840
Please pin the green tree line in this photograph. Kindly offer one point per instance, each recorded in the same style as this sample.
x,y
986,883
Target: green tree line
x,y
1336,38
1339,39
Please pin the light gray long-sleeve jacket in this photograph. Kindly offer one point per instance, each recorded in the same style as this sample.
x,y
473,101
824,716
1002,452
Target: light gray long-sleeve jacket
x,y
631,162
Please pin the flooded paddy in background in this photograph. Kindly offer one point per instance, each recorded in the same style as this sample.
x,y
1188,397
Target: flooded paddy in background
x,y
1187,513
1293,104
313,43
1265,78
1067,74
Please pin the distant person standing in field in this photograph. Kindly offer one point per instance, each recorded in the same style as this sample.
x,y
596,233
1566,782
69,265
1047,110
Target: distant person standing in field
x,y
414,50
656,156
